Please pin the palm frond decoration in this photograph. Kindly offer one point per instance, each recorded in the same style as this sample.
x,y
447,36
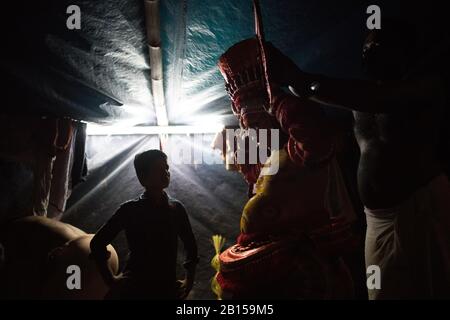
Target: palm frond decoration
x,y
218,243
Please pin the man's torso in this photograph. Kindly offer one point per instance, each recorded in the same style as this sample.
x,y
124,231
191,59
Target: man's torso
x,y
397,153
151,233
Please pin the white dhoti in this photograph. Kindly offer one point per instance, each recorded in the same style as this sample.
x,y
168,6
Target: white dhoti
x,y
411,244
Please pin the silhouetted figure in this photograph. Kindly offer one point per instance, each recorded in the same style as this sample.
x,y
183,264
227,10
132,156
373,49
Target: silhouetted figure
x,y
152,224
401,184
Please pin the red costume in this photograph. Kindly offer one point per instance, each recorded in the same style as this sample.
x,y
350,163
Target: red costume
x,y
293,230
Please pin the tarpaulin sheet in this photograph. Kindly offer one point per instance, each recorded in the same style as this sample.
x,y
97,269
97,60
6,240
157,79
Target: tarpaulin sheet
x,y
88,73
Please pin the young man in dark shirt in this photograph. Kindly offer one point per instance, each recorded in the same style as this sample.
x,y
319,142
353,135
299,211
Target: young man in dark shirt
x,y
152,224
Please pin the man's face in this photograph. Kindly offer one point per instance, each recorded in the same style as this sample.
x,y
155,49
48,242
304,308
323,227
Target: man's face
x,y
158,175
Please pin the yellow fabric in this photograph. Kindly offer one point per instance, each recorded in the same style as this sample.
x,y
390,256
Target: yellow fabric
x,y
296,198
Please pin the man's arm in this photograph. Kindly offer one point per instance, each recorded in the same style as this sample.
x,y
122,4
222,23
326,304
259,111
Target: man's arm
x,y
357,95
190,246
99,244
369,96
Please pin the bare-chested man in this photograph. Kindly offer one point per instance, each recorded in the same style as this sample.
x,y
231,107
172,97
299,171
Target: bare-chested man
x,y
404,191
